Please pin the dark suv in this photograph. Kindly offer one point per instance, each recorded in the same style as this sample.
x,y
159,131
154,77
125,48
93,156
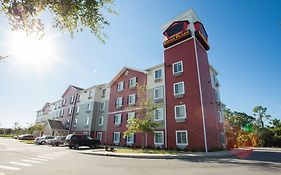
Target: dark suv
x,y
75,141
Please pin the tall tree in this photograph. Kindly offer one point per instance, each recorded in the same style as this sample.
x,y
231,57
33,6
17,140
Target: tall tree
x,y
71,16
144,123
260,114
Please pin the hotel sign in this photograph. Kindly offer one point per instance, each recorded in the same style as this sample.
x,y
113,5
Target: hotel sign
x,y
201,35
176,32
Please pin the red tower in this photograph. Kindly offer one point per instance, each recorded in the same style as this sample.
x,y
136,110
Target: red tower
x,y
191,107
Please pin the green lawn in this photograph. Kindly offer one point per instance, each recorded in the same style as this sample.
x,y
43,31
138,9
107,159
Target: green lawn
x,y
148,151
27,141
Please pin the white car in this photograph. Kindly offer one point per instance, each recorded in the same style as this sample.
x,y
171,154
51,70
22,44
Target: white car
x,y
42,140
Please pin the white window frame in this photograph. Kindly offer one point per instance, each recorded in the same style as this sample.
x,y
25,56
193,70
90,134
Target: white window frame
x,y
77,109
72,99
183,89
222,139
220,114
133,82
161,112
130,101
69,111
87,121
175,111
63,101
177,141
156,78
102,105
103,92
161,93
99,137
159,132
62,112
119,119
179,62
118,138
117,101
90,94
88,107
132,136
100,117
120,86
131,115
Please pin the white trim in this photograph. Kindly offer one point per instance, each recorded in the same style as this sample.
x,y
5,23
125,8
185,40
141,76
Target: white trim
x,y
181,144
174,45
162,132
127,110
87,121
161,93
133,79
102,105
161,70
99,133
131,115
117,99
115,137
158,109
120,86
201,97
132,135
175,111
174,68
133,96
100,124
183,88
119,117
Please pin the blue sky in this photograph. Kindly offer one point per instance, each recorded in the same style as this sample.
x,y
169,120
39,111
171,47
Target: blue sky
x,y
245,40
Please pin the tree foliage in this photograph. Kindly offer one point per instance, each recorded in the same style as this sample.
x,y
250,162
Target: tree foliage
x,y
144,123
260,113
71,16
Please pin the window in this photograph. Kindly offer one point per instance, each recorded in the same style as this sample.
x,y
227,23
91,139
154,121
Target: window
x,y
131,116
61,112
100,122
77,109
181,137
75,122
217,96
158,114
130,138
87,121
159,137
116,137
220,116
158,93
180,112
119,102
132,99
102,105
69,111
179,88
78,98
72,99
177,68
63,102
133,82
222,139
99,136
158,74
103,91
90,94
88,107
120,86
117,119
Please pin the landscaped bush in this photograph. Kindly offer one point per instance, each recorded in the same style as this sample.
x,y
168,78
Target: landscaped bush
x,y
6,135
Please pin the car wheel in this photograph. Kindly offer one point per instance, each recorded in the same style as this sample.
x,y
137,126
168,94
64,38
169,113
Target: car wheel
x,y
70,147
57,144
76,146
43,142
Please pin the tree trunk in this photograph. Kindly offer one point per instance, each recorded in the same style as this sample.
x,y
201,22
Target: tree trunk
x,y
142,141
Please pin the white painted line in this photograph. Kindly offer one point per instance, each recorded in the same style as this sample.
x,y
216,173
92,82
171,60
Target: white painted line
x,y
46,157
20,164
34,158
9,168
30,161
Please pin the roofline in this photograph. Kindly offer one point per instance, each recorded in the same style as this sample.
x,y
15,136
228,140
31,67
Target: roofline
x,y
153,67
122,71
106,84
72,86
213,69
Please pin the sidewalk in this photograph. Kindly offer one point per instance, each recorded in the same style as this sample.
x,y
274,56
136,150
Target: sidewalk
x,y
219,154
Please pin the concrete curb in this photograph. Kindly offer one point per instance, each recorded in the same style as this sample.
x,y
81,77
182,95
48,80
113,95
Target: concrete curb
x,y
171,156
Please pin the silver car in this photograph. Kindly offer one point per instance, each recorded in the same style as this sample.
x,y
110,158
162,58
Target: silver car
x,y
42,140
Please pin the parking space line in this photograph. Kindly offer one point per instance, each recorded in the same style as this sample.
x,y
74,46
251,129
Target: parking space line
x,y
46,157
9,168
30,161
20,164
34,158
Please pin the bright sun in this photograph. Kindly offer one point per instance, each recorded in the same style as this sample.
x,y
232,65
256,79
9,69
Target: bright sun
x,y
32,53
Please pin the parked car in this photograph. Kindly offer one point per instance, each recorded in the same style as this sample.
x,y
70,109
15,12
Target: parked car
x,y
42,140
58,140
75,141
26,137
